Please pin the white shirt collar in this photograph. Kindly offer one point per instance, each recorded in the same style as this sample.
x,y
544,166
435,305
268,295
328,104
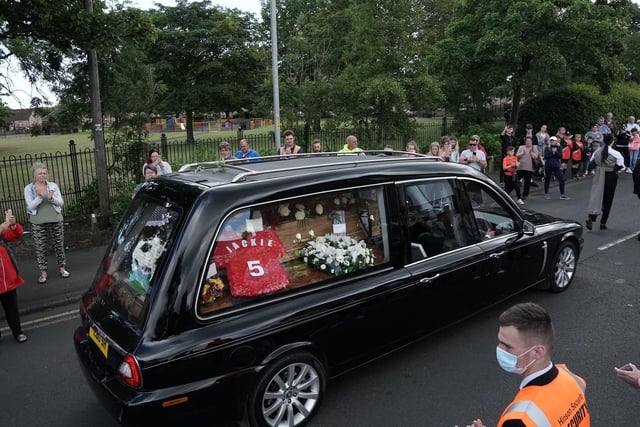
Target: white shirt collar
x,y
535,375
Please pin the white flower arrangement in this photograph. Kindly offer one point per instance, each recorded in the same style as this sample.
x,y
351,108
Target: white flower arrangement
x,y
337,255
284,211
298,236
300,215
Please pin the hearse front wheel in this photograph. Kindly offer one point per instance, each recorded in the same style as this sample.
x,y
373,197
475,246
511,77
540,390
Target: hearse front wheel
x,y
288,392
564,267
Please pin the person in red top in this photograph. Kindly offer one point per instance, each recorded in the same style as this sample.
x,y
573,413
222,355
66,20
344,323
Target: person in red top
x,y
10,280
576,156
566,144
510,170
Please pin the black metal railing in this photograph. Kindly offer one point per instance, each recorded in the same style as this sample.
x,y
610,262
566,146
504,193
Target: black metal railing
x,y
74,171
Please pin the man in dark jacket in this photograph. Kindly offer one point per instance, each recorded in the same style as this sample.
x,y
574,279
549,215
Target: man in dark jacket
x,y
552,167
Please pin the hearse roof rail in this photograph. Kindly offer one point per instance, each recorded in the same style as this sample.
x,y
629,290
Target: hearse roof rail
x,y
243,166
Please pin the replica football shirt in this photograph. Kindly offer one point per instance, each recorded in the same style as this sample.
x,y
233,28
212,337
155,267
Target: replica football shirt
x,y
253,264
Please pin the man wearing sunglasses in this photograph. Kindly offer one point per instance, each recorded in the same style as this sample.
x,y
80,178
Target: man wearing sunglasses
x,y
472,156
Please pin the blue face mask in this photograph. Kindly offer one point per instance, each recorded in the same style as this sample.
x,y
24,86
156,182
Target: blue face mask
x,y
508,361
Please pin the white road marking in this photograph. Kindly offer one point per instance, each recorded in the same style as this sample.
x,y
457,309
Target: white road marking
x,y
616,242
45,321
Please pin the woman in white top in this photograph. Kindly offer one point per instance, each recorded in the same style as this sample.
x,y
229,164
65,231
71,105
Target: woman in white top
x,y
155,159
454,155
44,206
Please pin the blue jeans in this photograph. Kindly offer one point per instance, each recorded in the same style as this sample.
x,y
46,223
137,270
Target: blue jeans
x,y
633,158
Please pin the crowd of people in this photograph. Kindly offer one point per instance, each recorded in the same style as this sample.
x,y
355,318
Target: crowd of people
x,y
605,151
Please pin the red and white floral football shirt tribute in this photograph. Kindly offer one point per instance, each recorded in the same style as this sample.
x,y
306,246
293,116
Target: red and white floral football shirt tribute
x,y
253,264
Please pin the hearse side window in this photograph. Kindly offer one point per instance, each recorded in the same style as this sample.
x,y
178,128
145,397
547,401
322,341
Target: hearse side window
x,y
491,216
278,247
435,222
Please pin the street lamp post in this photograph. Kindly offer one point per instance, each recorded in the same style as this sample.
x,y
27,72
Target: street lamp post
x,y
98,131
274,74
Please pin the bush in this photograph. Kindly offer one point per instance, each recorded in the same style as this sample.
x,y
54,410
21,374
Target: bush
x,y
577,107
489,137
624,100
36,130
574,110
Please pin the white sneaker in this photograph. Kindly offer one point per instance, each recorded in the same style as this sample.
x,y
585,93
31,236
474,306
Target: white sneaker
x,y
520,202
628,170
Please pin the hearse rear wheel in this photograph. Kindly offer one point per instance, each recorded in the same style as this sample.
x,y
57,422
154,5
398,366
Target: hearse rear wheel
x,y
288,392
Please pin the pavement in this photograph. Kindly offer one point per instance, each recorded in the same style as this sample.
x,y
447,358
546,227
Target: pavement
x,y
42,299
57,292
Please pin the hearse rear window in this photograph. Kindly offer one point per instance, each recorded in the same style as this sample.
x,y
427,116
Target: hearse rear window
x,y
278,247
129,269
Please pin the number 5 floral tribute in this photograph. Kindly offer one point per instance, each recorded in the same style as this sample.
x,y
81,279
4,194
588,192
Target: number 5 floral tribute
x,y
337,255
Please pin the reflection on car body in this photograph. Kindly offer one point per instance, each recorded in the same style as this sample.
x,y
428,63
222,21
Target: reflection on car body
x,y
250,285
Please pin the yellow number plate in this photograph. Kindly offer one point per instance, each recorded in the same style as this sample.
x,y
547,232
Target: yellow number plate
x,y
102,343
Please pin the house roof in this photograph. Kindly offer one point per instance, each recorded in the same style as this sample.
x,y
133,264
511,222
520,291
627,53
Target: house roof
x,y
20,115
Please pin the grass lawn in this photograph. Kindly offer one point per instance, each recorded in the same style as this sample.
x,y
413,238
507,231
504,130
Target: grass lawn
x,y
20,145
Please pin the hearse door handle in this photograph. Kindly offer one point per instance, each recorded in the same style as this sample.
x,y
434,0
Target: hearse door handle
x,y
496,255
429,279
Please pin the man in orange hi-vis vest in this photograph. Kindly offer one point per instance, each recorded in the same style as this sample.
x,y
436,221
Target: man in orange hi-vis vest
x,y
550,395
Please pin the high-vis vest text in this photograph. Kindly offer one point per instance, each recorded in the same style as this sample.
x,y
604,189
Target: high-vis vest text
x,y
561,403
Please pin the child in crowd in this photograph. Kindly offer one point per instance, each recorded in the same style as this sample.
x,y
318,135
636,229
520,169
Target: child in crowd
x,y
510,168
576,156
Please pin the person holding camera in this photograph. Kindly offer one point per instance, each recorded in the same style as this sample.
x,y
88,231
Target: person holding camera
x,y
507,139
10,280
608,162
472,156
552,167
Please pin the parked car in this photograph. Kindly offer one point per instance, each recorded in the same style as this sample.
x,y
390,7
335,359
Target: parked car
x,y
240,289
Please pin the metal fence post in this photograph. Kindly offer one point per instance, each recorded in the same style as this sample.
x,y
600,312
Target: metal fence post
x,y
77,190
163,145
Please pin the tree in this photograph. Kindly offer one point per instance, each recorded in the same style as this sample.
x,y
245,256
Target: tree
x,y
308,53
366,64
44,36
208,58
380,79
520,48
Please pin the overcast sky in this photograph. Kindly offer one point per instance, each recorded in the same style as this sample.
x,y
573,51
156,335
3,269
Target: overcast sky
x,y
22,91
252,6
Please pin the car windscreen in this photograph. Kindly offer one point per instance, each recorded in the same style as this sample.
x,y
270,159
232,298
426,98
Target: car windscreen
x,y
129,271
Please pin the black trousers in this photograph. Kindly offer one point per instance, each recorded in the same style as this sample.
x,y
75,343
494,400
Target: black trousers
x,y
610,183
526,176
511,183
9,302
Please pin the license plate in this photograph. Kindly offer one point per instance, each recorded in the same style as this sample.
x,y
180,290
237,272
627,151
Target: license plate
x,y
99,340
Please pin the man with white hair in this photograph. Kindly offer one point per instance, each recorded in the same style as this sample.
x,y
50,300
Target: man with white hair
x,y
351,147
